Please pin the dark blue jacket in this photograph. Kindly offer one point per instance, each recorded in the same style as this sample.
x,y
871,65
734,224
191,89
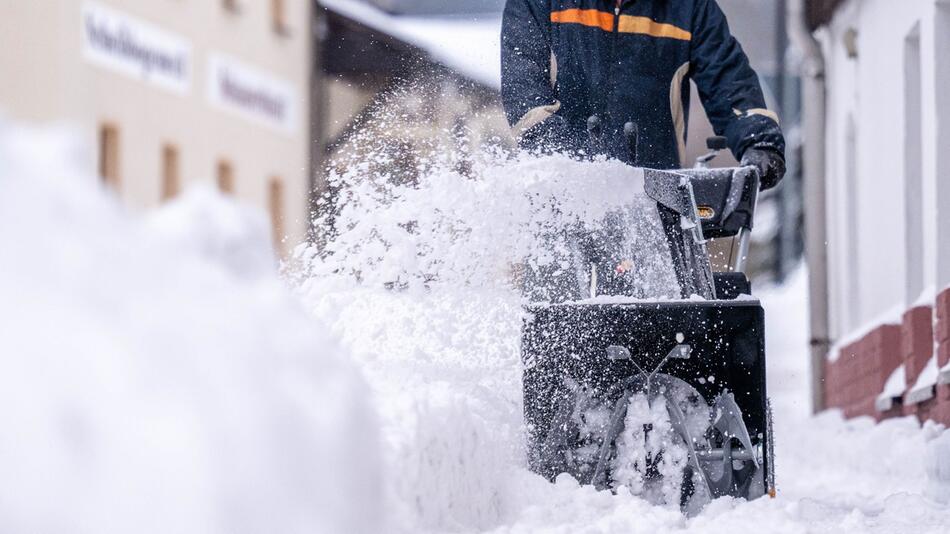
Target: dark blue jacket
x,y
565,60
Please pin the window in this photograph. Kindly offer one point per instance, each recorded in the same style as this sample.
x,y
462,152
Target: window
x,y
275,200
171,179
279,16
225,177
109,155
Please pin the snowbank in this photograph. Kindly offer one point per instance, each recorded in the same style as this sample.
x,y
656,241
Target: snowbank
x,y
157,376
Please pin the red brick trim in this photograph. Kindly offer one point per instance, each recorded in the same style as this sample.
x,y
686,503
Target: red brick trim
x,y
856,378
943,316
917,341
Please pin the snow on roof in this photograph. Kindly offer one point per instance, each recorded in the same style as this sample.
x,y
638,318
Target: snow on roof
x,y
469,45
893,389
924,387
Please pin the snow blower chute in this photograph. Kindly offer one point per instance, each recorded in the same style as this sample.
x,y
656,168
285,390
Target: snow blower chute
x,y
666,398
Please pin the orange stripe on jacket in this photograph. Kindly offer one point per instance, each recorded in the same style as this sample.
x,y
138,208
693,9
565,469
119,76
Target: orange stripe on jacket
x,y
586,17
628,23
646,26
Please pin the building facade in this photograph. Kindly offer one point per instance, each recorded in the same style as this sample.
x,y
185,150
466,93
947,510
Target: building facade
x,y
887,192
169,93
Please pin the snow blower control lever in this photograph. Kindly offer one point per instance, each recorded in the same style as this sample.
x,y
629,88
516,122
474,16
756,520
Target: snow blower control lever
x,y
595,136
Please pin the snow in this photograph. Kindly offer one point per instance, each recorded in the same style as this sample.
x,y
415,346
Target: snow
x,y
440,350
927,297
938,468
470,46
923,388
157,376
634,445
893,389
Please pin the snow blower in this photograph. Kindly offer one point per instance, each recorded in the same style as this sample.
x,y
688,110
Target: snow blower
x,y
665,398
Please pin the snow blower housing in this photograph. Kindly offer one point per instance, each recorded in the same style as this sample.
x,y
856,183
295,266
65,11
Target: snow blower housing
x,y
665,398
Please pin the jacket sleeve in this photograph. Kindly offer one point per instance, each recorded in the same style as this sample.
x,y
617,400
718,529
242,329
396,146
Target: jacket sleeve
x,y
728,86
526,90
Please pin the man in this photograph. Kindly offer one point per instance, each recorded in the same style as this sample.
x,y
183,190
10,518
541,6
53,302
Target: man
x,y
622,61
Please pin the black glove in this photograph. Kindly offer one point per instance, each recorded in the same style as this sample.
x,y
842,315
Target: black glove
x,y
770,162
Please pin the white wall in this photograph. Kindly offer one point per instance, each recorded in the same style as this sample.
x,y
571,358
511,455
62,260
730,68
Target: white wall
x,y
889,242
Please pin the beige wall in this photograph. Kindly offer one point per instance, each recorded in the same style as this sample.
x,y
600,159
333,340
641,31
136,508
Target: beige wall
x,y
45,77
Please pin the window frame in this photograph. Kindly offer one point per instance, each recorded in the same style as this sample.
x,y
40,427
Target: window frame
x,y
224,176
109,158
171,171
275,206
278,17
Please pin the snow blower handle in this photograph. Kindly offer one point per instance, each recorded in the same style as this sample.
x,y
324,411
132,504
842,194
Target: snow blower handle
x,y
696,204
725,202
725,199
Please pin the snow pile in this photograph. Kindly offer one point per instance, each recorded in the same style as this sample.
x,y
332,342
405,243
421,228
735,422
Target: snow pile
x,y
158,377
938,468
226,233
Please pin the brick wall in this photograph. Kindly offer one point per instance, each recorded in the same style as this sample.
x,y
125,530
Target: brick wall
x,y
942,338
855,379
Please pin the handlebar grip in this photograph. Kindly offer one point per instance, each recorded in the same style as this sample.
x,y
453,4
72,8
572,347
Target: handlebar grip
x,y
595,126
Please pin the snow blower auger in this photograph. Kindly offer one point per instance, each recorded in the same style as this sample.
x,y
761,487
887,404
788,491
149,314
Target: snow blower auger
x,y
665,398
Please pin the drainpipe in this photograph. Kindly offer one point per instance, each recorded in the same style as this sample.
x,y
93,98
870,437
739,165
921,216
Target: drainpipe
x,y
816,253
319,103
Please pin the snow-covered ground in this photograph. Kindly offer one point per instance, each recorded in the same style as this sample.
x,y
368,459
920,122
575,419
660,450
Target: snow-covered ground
x,y
157,375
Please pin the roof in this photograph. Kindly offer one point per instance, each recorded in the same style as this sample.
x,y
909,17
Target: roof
x,y
469,45
432,7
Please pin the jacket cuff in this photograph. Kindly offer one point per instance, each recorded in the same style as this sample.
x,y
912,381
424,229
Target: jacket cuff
x,y
534,117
